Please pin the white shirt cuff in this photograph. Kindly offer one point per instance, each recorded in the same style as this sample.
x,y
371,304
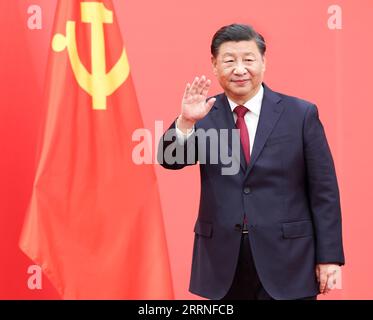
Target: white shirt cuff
x,y
181,136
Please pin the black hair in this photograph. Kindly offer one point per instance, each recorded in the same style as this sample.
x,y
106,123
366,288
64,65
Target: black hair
x,y
237,32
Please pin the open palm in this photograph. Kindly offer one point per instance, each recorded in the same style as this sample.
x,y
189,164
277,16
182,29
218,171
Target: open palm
x,y
194,105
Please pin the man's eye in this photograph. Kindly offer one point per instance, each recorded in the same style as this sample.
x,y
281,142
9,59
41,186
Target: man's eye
x,y
249,60
228,61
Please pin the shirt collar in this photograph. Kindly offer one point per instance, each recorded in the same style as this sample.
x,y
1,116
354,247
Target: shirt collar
x,y
254,104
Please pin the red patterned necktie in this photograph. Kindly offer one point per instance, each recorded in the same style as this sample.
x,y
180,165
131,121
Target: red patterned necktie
x,y
240,111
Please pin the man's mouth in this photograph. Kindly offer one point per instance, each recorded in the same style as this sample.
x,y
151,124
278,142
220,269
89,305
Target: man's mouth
x,y
241,81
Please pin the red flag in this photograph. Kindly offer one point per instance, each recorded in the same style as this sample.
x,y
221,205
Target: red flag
x,y
94,222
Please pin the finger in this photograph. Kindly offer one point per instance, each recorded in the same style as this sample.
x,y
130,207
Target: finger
x,y
187,91
201,85
331,282
323,281
206,88
332,279
318,273
194,86
328,287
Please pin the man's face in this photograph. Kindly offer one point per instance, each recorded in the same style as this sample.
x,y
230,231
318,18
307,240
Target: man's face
x,y
239,67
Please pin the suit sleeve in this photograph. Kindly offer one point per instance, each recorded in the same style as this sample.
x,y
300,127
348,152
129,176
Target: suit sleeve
x,y
323,191
175,155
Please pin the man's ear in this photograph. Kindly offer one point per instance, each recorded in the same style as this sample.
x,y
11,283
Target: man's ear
x,y
264,63
214,65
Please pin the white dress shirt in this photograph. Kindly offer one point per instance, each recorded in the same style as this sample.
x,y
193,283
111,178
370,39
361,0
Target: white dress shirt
x,y
251,117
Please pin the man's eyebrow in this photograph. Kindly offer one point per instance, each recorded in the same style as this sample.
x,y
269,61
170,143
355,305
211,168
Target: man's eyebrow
x,y
245,53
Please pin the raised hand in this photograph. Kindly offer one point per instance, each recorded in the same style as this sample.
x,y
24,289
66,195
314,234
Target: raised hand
x,y
194,106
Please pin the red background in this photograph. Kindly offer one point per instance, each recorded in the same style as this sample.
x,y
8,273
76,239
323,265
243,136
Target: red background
x,y
168,44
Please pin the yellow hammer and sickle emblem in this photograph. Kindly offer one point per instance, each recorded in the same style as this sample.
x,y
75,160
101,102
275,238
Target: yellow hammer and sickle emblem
x,y
99,84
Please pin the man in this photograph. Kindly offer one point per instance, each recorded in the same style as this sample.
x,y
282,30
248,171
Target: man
x,y
272,230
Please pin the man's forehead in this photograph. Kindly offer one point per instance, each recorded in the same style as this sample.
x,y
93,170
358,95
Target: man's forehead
x,y
242,47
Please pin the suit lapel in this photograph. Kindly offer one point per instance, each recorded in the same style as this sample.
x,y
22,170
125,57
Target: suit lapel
x,y
270,113
271,110
222,117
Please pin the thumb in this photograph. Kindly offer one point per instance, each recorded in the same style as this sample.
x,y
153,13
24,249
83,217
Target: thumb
x,y
209,104
317,273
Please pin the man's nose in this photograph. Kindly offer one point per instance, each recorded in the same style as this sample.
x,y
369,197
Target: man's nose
x,y
240,69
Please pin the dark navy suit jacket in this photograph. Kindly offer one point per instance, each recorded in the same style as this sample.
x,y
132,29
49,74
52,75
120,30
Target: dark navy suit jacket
x,y
288,191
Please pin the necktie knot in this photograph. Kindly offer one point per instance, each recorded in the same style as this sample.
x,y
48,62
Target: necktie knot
x,y
240,111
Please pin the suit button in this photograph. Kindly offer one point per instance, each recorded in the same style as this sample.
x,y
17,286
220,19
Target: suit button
x,y
246,190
